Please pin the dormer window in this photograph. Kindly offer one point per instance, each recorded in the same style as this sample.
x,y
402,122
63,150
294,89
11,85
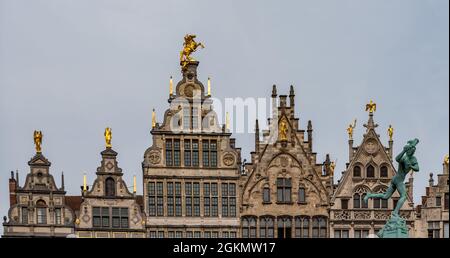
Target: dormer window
x,y
370,171
110,187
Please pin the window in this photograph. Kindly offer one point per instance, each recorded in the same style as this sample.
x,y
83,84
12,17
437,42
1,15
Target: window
x,y
225,234
152,234
197,234
209,153
302,227
110,187
383,171
119,217
24,215
215,234
319,227
160,234
192,198
434,229
446,201
210,202
186,118
438,201
266,227
189,234
266,194
228,200
179,234
100,217
207,234
301,195
170,199
341,233
445,229
176,153
357,171
169,160
195,153
190,118
187,153
195,118
358,201
249,227
284,190
178,204
58,216
171,234
41,212
370,171
361,233
151,199
344,204
159,199
284,227
379,203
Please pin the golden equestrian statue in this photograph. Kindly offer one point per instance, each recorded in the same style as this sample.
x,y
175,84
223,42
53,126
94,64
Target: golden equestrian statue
x,y
283,130
371,107
108,137
350,129
38,140
390,132
189,46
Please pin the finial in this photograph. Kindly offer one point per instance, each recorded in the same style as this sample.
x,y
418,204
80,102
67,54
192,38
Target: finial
x,y
108,137
134,184
274,91
291,91
189,47
38,140
171,86
446,159
371,107
209,86
153,119
227,121
84,183
390,132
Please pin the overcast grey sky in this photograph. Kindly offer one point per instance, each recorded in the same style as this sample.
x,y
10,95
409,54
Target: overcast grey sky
x,y
71,68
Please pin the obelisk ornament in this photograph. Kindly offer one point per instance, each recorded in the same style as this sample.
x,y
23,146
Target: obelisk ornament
x,y
189,46
406,162
108,137
38,140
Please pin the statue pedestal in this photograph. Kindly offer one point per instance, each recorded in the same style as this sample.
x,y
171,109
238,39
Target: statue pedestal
x,y
394,228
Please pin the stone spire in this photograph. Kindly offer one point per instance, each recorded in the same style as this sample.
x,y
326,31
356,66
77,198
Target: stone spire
x,y
292,97
257,136
310,137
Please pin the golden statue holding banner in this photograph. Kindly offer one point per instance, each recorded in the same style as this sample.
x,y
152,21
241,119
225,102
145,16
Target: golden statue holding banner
x,y
38,140
108,137
189,46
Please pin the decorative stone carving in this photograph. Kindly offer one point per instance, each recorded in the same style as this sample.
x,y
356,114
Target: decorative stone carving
x,y
154,157
228,159
362,215
371,146
382,215
342,215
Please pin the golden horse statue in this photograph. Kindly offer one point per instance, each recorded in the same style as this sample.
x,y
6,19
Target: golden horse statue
x,y
189,47
38,140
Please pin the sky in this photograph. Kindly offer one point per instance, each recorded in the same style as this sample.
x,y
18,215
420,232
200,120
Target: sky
x,y
72,68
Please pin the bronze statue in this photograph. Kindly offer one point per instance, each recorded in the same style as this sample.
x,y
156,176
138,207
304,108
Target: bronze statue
x,y
189,46
350,129
108,137
371,107
38,140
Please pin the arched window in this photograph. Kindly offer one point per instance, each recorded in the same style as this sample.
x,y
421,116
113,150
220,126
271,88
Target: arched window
x,y
358,201
383,171
319,227
249,227
284,227
266,194
357,171
41,212
266,227
302,227
370,171
110,187
379,203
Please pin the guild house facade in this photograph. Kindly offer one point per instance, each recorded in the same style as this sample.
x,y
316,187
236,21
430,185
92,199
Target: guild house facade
x,y
196,186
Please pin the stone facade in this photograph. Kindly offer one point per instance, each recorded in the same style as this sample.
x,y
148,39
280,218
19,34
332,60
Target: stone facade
x,y
432,215
38,209
285,192
109,209
370,169
191,171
